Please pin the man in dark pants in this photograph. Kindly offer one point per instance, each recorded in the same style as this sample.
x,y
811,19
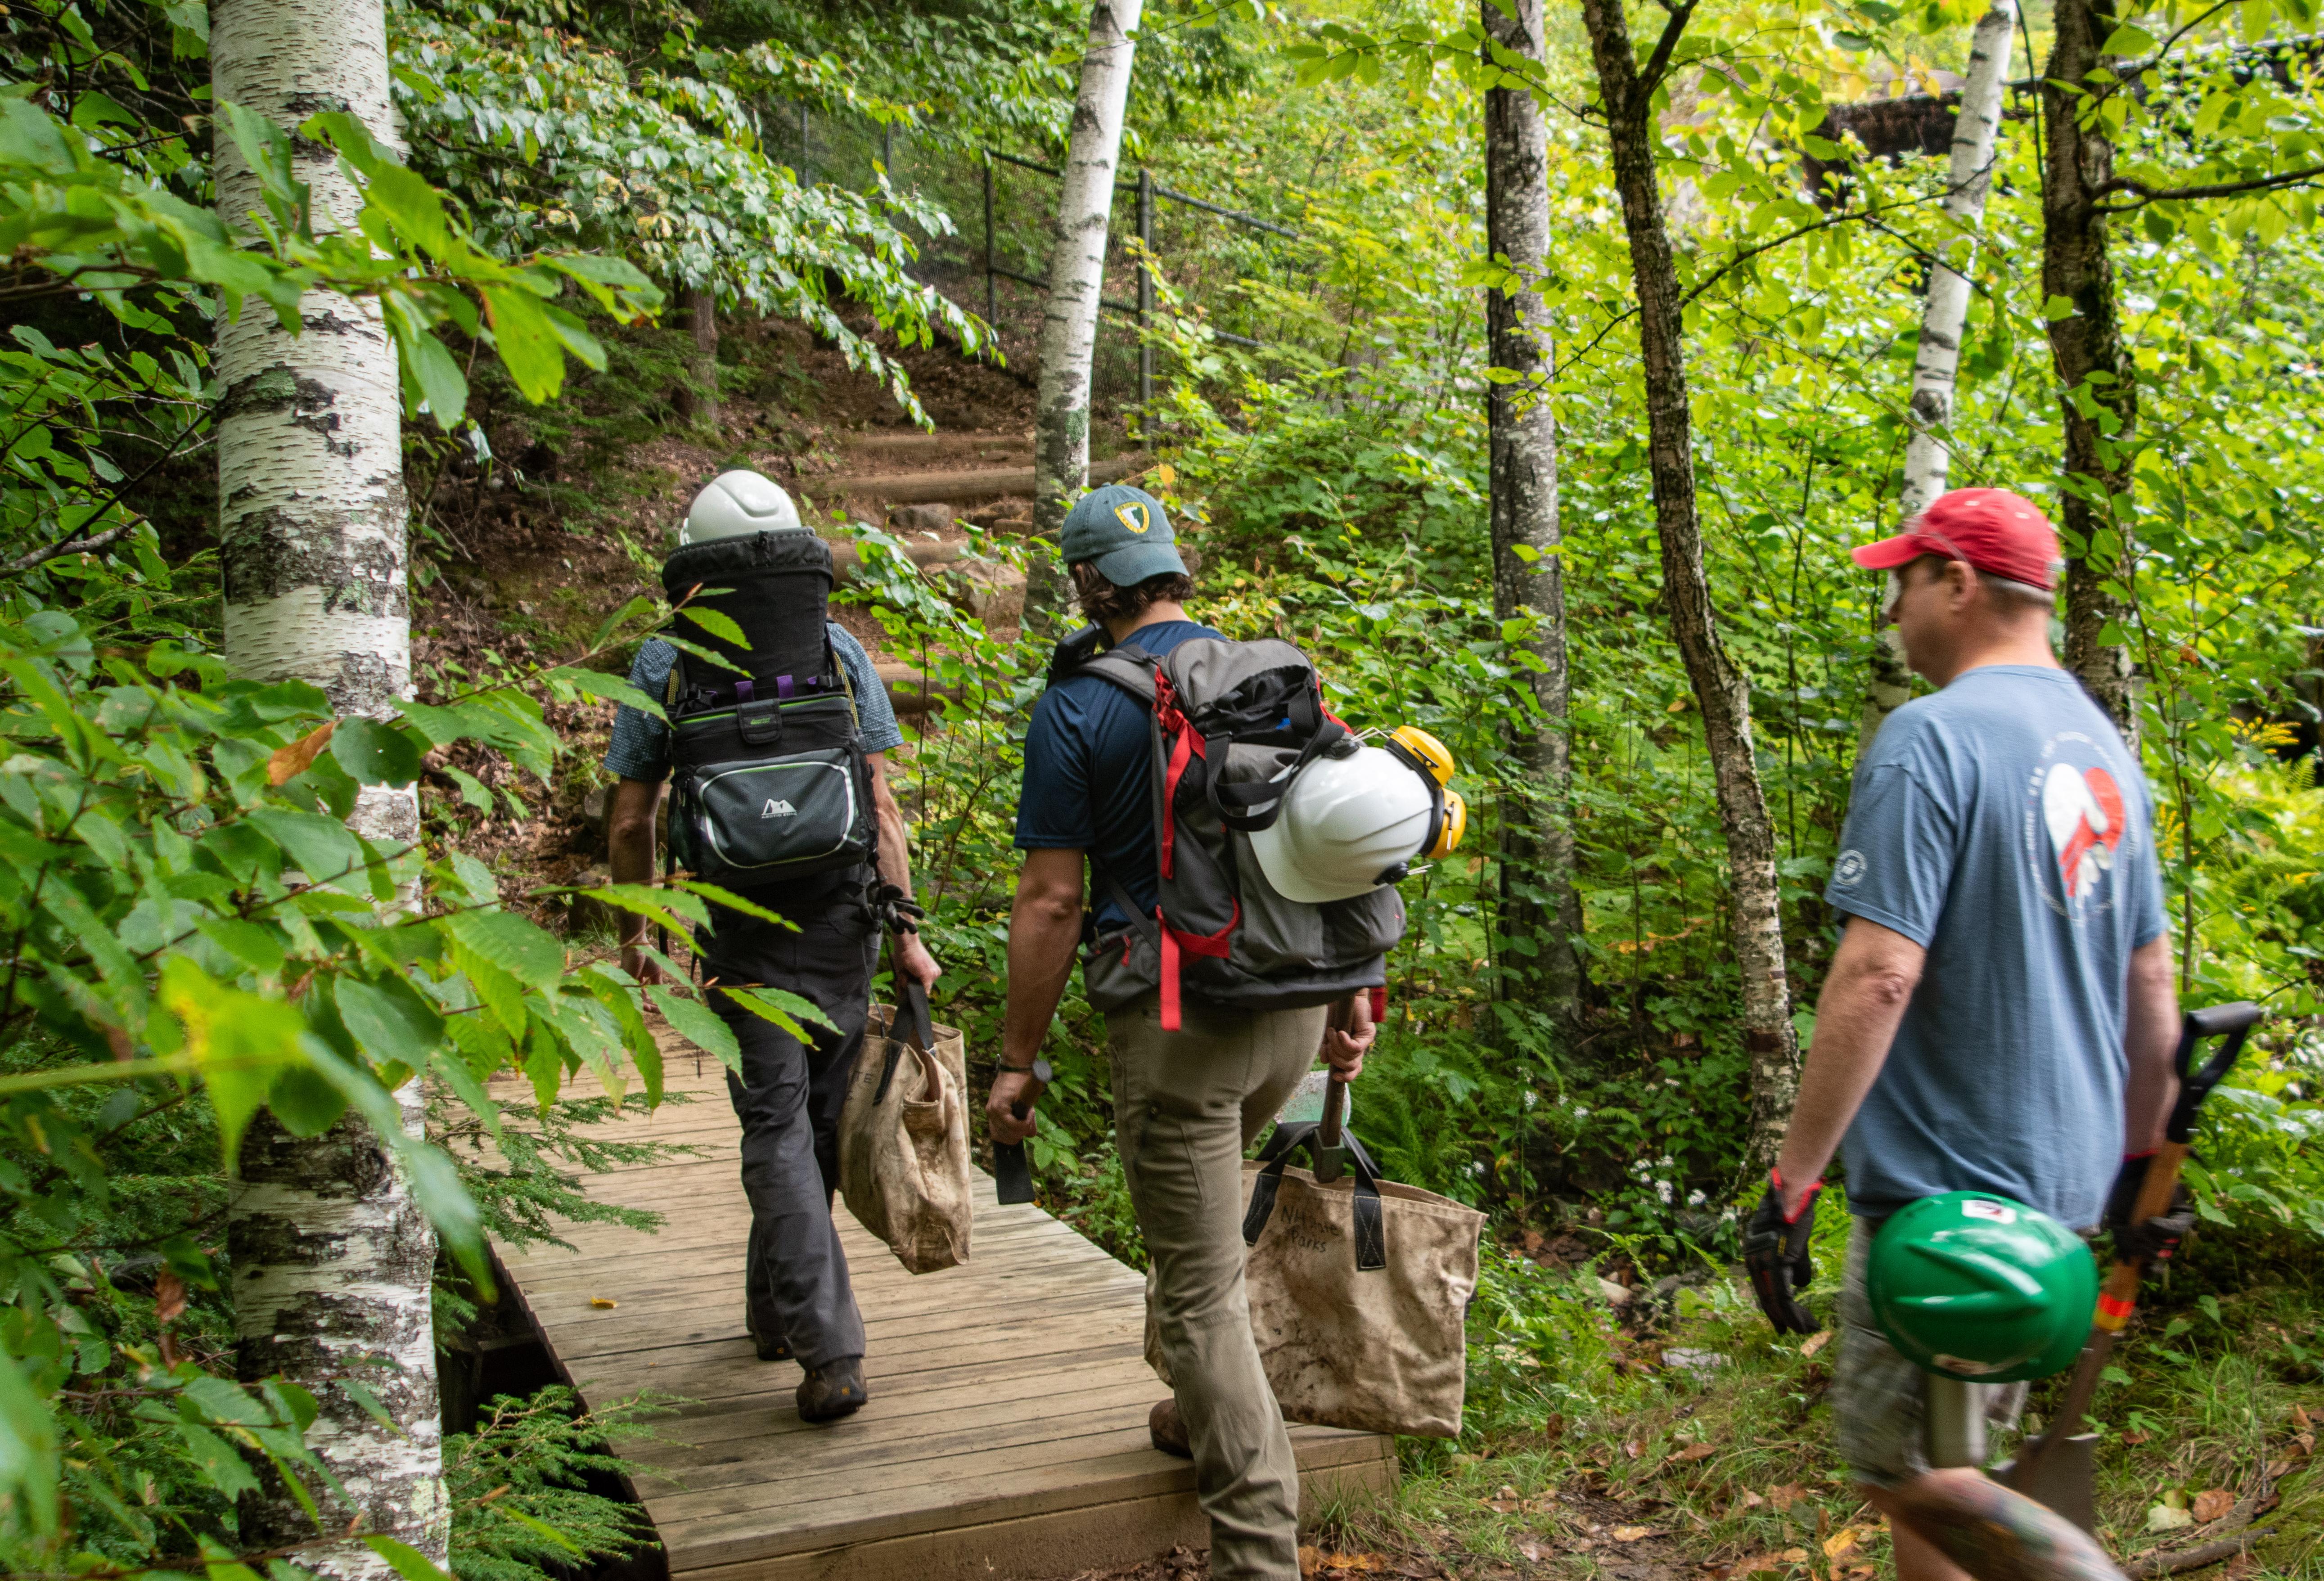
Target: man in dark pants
x,y
800,1302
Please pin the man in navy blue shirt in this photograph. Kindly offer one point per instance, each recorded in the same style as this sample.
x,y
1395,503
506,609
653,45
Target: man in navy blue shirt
x,y
1186,1103
1999,1015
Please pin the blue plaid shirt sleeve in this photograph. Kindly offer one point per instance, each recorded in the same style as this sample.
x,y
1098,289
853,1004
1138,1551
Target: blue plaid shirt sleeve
x,y
641,745
874,713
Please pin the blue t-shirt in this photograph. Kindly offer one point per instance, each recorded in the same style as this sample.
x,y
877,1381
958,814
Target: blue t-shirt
x,y
1088,778
640,749
2002,825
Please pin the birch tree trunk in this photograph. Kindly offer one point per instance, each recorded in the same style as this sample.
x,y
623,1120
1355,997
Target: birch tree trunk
x,y
1928,453
332,1259
1061,406
698,396
1538,903
2100,404
1720,688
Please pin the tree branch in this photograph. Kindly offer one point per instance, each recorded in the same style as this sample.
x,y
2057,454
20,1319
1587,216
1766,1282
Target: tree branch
x,y
77,546
1650,77
2147,194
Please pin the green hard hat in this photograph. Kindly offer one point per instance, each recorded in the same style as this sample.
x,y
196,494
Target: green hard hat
x,y
1982,1289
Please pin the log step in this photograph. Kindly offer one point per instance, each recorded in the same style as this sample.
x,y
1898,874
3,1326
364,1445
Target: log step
x,y
903,488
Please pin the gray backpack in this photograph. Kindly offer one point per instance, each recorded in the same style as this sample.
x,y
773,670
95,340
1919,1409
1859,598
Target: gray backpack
x,y
1231,724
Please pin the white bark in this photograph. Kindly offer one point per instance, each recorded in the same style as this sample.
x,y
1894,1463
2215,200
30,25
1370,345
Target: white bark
x,y
332,1258
1928,453
1538,899
1061,410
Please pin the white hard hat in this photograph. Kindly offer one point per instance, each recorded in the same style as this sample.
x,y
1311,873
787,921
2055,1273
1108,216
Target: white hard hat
x,y
735,505
1349,824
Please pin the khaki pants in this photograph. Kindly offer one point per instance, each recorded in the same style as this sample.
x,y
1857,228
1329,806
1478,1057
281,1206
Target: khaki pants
x,y
1187,1105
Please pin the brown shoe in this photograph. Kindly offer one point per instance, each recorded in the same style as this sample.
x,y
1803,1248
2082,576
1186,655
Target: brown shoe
x,y
1168,1428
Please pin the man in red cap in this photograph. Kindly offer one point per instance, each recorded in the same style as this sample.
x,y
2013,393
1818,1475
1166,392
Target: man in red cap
x,y
1999,1017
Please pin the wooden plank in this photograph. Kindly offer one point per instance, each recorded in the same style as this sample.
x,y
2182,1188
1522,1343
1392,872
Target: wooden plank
x,y
1006,1430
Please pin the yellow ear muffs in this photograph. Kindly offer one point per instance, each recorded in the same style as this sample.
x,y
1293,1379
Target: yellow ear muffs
x,y
1451,827
1422,751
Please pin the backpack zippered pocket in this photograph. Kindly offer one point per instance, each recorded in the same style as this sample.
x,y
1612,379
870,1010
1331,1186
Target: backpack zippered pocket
x,y
773,817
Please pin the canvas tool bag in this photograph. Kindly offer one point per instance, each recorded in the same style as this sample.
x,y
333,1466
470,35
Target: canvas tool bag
x,y
1230,724
1359,1293
903,1136
772,783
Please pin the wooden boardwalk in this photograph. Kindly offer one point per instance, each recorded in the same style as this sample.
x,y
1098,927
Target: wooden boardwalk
x,y
1006,1433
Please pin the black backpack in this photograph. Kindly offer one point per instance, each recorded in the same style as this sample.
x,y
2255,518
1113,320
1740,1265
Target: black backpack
x,y
770,779
1231,723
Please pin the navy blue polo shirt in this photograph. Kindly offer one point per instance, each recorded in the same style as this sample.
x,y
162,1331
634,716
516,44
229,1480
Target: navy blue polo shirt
x,y
1089,777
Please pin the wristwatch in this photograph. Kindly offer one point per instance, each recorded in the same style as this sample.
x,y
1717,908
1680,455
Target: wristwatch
x,y
1039,1070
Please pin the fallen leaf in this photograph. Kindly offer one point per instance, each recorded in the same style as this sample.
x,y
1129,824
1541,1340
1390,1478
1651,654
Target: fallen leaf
x,y
1533,1552
2241,1565
168,1297
291,761
1858,1572
2276,1468
1310,1559
1815,1342
1784,1497
1634,1448
1753,1564
1697,1452
2136,1437
1356,1562
1796,1556
1502,1506
1749,1500
1630,1533
2163,1518
1841,1542
602,1302
2300,1420
2211,1503
1580,1545
2306,1442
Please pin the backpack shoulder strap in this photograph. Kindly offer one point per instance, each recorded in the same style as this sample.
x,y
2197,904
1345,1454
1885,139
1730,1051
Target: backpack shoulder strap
x,y
1128,667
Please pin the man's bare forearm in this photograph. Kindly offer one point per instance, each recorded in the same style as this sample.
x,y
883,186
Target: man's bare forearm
x,y
895,850
1044,932
1873,975
2150,1038
630,843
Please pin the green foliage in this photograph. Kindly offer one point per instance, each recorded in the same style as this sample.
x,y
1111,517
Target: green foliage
x,y
522,1506
551,134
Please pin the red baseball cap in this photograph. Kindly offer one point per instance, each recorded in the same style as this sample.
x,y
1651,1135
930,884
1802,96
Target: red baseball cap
x,y
1991,528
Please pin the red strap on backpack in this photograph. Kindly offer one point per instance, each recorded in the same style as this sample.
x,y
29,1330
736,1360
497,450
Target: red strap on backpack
x,y
1214,944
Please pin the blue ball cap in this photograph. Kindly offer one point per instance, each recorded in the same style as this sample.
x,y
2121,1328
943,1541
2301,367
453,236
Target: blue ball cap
x,y
1124,532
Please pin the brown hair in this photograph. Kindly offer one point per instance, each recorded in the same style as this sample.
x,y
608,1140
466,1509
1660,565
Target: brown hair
x,y
1102,603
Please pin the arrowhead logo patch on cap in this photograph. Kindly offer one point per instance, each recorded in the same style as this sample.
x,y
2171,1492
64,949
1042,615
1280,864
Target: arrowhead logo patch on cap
x,y
1132,514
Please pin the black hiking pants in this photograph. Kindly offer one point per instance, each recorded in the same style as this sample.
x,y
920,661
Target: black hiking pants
x,y
788,1097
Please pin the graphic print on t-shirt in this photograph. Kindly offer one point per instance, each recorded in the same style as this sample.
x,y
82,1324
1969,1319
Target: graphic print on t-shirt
x,y
2074,824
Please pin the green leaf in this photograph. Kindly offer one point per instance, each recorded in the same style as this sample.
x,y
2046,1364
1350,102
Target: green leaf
x,y
376,754
32,140
253,946
323,848
784,1009
433,371
29,1459
526,952
409,1562
717,622
500,993
699,1024
596,683
457,1074
304,1102
529,344
388,1019
369,1403
238,1041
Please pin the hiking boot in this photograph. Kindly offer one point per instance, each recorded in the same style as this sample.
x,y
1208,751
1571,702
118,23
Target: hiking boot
x,y
771,1346
834,1390
1168,1428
